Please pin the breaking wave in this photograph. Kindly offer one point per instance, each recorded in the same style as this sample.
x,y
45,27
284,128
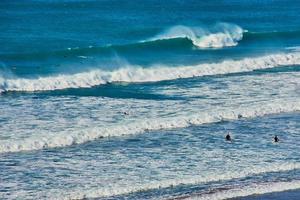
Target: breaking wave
x,y
111,190
140,74
45,140
222,35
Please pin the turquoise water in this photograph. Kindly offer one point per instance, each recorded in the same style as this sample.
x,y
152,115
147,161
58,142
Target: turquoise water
x,y
132,100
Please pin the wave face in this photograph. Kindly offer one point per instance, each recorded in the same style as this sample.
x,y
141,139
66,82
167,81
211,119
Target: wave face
x,y
222,35
140,74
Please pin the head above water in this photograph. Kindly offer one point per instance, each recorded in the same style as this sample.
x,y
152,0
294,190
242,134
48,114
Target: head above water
x,y
276,139
228,137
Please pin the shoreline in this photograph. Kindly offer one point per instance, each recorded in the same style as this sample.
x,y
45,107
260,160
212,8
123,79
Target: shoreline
x,y
283,195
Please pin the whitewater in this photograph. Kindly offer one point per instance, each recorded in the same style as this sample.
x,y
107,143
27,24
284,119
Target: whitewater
x,y
51,140
139,74
219,36
114,190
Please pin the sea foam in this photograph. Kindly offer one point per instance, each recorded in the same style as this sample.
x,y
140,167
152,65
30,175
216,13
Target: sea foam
x,y
113,190
61,139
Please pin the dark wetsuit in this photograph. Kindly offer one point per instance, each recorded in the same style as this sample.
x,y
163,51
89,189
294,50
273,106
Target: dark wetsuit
x,y
228,138
276,139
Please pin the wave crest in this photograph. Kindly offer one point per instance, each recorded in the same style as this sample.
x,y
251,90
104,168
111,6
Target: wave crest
x,y
140,74
222,35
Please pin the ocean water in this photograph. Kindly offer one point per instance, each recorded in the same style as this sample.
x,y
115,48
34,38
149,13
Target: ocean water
x,y
116,99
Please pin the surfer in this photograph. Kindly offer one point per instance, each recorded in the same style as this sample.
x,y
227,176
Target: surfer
x,y
276,139
125,113
228,137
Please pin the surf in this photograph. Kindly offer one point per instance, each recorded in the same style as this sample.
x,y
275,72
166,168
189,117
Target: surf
x,y
218,36
50,140
240,191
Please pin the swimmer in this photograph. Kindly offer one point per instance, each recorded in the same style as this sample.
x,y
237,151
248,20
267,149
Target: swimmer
x,y
228,137
276,139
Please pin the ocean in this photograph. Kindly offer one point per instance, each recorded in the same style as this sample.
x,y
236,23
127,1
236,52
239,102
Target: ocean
x,y
115,99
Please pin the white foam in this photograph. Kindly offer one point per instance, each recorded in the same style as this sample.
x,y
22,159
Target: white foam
x,y
47,140
120,189
254,189
223,35
152,74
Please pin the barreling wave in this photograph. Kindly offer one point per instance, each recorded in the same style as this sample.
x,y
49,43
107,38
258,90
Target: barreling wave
x,y
137,127
139,74
222,35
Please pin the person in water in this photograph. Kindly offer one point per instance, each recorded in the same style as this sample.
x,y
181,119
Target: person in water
x,y
276,139
228,137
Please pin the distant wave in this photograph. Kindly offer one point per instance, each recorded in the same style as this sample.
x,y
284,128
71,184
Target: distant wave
x,y
217,36
140,74
89,134
225,35
222,35
177,37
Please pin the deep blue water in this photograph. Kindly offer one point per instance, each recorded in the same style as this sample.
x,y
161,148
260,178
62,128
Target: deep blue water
x,y
132,99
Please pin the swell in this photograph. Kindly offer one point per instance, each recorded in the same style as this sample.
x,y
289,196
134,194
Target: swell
x,y
137,127
271,35
139,74
217,36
